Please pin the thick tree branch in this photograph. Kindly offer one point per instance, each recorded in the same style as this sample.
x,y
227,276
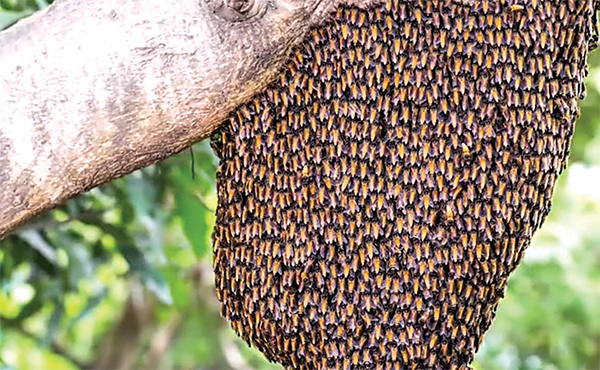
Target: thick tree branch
x,y
92,90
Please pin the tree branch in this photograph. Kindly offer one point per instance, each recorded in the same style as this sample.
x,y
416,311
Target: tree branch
x,y
92,90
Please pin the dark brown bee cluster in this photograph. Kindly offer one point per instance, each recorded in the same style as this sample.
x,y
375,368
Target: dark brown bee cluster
x,y
373,202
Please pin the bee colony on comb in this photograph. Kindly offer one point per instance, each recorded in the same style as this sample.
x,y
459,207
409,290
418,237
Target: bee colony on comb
x,y
375,199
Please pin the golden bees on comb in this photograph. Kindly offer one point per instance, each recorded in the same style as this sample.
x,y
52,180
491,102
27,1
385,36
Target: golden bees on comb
x,y
374,200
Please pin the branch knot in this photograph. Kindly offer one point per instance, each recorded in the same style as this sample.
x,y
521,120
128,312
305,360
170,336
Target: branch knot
x,y
239,10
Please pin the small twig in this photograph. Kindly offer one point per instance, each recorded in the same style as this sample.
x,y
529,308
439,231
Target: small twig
x,y
193,163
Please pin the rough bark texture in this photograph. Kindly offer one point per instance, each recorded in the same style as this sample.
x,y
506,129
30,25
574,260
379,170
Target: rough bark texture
x,y
92,90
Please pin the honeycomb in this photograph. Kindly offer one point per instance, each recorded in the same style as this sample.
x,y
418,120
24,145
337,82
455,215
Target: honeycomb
x,y
375,199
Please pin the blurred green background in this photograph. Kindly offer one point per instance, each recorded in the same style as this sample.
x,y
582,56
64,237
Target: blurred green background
x,y
120,277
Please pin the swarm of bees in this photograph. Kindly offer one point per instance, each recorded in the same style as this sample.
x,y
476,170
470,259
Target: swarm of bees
x,y
375,199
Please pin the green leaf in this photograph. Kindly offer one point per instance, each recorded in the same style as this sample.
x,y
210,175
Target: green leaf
x,y
179,287
7,18
37,242
205,162
152,278
91,304
32,307
142,194
54,324
123,200
194,218
4,366
41,4
80,262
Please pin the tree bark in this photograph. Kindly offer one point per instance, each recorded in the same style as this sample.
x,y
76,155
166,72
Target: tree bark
x,y
92,90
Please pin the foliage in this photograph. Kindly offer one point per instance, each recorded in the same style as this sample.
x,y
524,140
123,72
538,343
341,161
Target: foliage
x,y
13,10
121,275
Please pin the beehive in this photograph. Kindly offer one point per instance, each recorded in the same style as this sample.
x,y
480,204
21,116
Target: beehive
x,y
373,202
